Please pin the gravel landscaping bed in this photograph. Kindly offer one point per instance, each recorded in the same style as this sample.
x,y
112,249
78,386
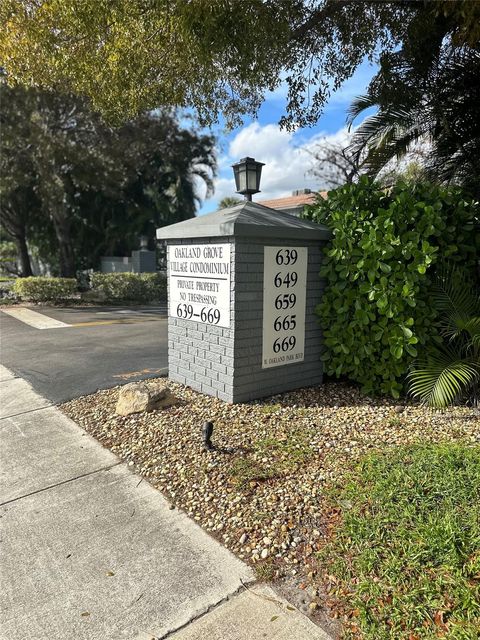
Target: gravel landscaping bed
x,y
259,491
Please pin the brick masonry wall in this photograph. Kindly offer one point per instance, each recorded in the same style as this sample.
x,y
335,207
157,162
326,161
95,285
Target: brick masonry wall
x,y
201,355
249,377
227,363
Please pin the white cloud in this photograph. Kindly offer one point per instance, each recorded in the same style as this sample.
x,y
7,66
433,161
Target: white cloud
x,y
286,154
267,142
224,187
287,157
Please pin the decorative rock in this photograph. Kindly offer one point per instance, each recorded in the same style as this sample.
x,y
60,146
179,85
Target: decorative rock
x,y
264,554
207,489
243,539
138,396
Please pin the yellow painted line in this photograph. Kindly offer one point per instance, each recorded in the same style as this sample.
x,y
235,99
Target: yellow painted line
x,y
41,321
97,323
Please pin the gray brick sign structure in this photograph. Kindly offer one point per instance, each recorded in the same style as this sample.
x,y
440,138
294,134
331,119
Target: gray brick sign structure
x,y
243,287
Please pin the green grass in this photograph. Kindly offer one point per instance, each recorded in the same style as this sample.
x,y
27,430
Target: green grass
x,y
283,455
394,422
269,408
406,550
291,450
266,571
245,470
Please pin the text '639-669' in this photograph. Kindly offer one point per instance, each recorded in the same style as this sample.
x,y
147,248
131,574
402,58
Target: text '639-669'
x,y
199,283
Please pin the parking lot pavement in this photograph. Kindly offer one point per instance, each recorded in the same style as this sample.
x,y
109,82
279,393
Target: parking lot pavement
x,y
84,316
87,349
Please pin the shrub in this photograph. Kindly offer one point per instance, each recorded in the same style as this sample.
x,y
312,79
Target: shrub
x,y
8,257
155,286
376,310
6,287
83,279
130,287
7,294
43,289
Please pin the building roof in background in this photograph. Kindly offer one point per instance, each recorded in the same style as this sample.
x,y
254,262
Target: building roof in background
x,y
298,199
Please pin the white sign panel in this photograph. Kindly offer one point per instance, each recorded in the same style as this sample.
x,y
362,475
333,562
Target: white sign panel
x,y
284,300
199,283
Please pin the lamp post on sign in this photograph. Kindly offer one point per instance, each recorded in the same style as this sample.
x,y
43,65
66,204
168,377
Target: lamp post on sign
x,y
248,173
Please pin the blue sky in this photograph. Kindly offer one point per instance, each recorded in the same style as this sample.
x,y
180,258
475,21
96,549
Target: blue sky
x,y
286,155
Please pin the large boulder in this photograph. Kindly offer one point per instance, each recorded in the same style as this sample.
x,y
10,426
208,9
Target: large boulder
x,y
140,396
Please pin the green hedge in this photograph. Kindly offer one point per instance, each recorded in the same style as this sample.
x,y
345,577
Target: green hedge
x,y
376,311
130,287
43,289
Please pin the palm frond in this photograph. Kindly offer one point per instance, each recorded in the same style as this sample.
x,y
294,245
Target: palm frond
x,y
472,327
457,301
476,343
441,106
388,134
359,104
443,378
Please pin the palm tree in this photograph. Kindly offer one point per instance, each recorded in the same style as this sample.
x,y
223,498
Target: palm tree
x,y
166,167
229,201
437,102
193,163
451,372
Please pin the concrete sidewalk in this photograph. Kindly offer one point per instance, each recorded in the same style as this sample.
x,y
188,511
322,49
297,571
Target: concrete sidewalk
x,y
92,552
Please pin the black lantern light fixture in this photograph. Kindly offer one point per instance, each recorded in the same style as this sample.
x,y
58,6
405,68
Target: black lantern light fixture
x,y
247,174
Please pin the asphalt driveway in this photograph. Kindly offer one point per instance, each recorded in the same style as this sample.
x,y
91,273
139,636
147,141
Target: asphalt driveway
x,y
99,348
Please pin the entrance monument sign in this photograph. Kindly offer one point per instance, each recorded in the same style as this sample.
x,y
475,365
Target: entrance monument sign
x,y
199,283
243,286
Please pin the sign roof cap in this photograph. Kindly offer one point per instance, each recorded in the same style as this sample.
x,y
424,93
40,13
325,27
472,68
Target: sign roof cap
x,y
248,219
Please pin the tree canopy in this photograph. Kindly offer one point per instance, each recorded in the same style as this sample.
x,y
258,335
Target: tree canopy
x,y
220,57
229,201
334,164
78,189
425,94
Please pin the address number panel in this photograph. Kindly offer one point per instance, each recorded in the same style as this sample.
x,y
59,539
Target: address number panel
x,y
284,301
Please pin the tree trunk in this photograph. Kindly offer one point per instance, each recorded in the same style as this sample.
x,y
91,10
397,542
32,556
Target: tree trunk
x,y
15,227
67,261
24,258
53,203
67,255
